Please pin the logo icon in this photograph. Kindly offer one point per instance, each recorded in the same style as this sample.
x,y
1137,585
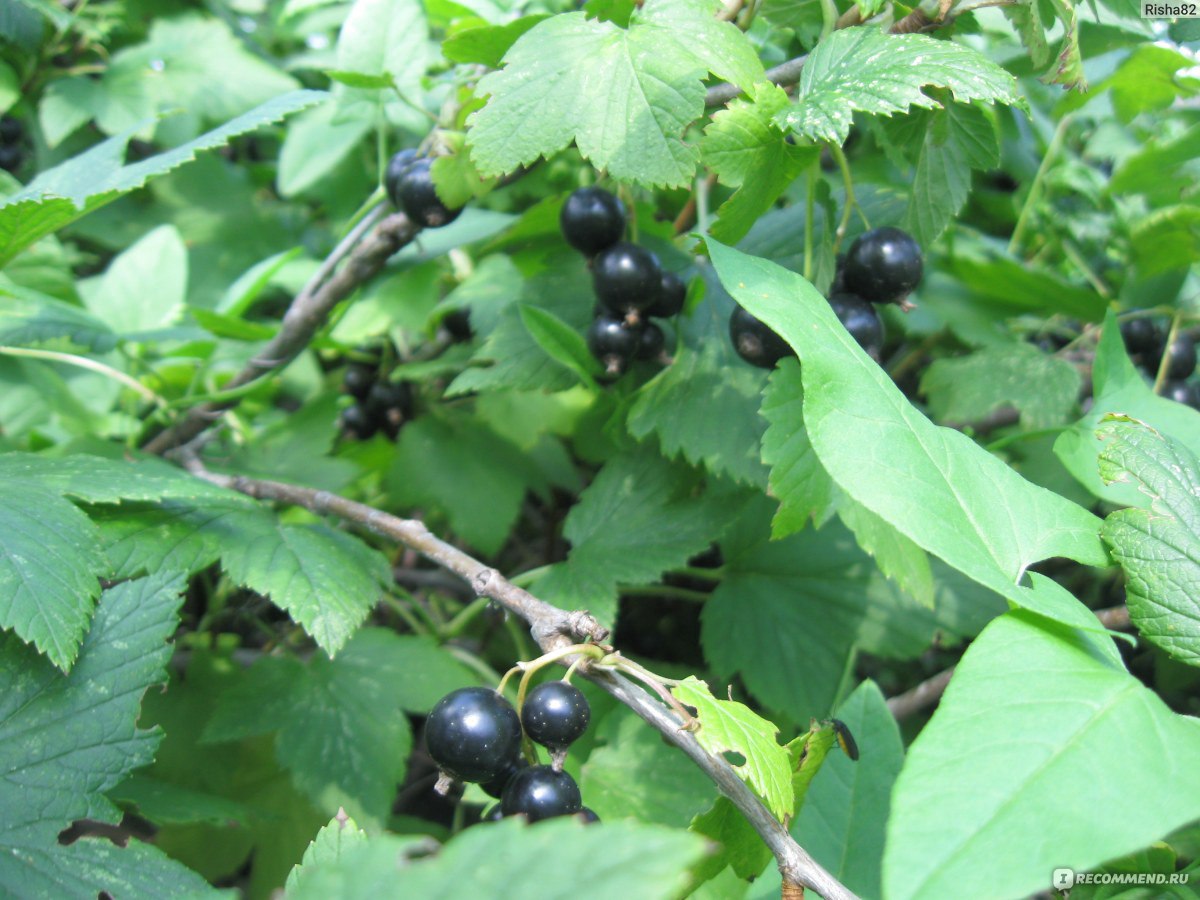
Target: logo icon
x,y
1063,879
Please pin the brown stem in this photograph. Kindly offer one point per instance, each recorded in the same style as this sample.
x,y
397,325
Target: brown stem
x,y
306,315
927,693
552,628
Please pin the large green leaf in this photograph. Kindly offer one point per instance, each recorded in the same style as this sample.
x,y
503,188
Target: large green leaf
x,y
341,729
50,565
386,37
864,69
637,519
651,74
1042,388
989,805
28,319
86,182
144,287
513,861
933,484
1159,547
66,739
1119,388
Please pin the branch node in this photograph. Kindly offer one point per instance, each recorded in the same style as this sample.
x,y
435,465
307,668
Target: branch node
x,y
582,624
483,581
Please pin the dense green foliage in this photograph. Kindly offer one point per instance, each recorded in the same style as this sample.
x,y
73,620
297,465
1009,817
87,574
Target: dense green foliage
x,y
962,483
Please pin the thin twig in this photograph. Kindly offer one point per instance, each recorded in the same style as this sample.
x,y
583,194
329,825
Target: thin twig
x,y
927,693
365,256
783,74
553,629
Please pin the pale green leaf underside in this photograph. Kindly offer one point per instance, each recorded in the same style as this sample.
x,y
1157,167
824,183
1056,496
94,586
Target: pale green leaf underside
x,y
988,805
98,176
865,70
651,75
1158,548
935,485
727,726
66,739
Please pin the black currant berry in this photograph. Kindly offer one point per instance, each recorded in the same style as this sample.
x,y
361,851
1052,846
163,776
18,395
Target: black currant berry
x,y
495,787
384,396
883,265
671,296
358,380
1181,357
457,323
539,792
396,168
11,129
861,320
1142,336
358,422
555,714
652,341
10,157
754,341
473,733
1182,392
626,277
592,220
417,196
614,342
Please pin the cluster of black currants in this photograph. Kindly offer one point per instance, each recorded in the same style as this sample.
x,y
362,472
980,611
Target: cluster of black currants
x,y
474,734
628,280
409,185
1146,341
882,266
379,404
12,145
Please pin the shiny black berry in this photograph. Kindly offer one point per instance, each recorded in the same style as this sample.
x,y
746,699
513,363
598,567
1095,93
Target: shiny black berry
x,y
386,395
495,787
651,343
457,323
416,195
883,265
671,295
626,277
1181,357
1142,336
754,341
592,220
555,714
614,342
861,320
358,422
473,734
1184,392
358,380
396,168
539,792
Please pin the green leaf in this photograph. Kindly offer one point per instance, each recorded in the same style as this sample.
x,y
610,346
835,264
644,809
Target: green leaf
x,y
65,740
341,730
798,480
1043,388
728,727
869,71
845,811
1157,547
789,614
455,177
935,485
1167,239
386,37
636,775
1118,388
633,861
316,143
30,319
561,342
679,405
325,580
661,525
1010,284
1068,65
50,566
162,802
1058,713
958,138
144,286
1145,170
487,44
652,75
96,177
746,150
742,848
1149,80
897,557
331,842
